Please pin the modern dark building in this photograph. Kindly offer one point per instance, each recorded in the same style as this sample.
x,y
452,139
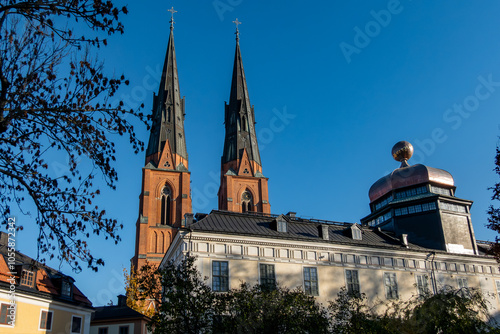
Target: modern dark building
x,y
419,203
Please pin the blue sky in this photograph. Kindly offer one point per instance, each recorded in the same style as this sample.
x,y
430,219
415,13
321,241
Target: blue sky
x,y
335,85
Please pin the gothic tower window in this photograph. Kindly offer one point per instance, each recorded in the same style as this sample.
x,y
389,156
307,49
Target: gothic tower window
x,y
244,124
166,206
246,201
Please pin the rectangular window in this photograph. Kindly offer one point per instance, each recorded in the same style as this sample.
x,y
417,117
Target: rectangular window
x,y
220,276
46,320
463,285
441,191
391,286
123,330
498,288
352,282
27,278
102,330
76,324
282,226
422,285
462,282
4,314
311,281
66,289
267,276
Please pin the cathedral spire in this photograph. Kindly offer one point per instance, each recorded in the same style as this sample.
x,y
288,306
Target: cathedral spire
x,y
167,143
239,115
243,187
165,197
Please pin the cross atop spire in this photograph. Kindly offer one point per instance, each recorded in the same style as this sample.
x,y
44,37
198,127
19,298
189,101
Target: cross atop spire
x,y
237,30
172,11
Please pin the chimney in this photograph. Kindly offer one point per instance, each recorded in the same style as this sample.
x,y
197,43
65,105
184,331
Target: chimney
x,y
4,238
323,232
188,219
122,300
404,239
291,214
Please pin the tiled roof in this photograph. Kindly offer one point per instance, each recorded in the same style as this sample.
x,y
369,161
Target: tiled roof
x,y
297,229
46,278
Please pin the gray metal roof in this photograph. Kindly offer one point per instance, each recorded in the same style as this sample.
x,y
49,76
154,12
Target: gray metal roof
x,y
259,225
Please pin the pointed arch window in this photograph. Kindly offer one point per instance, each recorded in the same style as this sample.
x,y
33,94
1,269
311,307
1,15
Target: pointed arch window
x,y
246,201
166,206
244,124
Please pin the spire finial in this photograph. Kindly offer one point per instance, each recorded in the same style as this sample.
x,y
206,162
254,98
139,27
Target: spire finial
x,y
237,30
402,151
172,10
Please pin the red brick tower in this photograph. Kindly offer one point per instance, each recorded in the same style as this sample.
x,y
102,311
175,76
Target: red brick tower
x,y
243,187
165,197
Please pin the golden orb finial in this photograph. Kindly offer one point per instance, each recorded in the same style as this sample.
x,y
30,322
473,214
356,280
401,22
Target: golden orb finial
x,y
402,151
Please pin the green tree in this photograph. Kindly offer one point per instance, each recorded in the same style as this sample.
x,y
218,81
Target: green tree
x,y
56,99
185,303
349,314
188,305
494,212
257,309
449,311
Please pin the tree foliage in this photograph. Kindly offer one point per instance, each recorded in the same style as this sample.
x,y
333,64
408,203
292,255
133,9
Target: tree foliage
x,y
448,311
56,99
188,305
350,314
257,309
494,212
185,303
135,300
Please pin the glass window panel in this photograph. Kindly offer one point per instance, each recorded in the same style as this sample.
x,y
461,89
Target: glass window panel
x,y
391,286
311,281
220,276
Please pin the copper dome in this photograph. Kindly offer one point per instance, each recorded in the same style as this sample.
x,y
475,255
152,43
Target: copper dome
x,y
409,176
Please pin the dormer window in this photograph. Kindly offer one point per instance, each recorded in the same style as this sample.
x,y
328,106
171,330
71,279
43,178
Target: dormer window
x,y
356,233
281,225
66,289
27,278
